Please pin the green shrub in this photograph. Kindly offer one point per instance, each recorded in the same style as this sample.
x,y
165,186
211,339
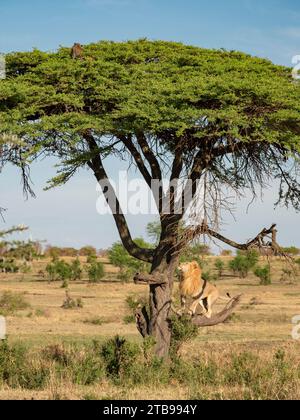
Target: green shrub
x,y
133,302
220,266
183,330
128,265
292,251
11,302
16,370
209,276
59,270
242,370
244,262
264,274
96,272
76,270
119,356
91,259
8,265
126,275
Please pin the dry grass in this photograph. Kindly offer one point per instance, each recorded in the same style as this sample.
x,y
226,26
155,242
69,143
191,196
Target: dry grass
x,y
262,325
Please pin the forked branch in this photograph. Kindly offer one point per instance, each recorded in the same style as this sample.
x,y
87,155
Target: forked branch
x,y
193,233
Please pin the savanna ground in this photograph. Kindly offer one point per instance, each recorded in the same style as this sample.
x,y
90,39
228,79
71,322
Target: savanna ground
x,y
252,356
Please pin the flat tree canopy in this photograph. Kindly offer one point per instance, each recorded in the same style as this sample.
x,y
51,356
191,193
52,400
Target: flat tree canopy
x,y
226,117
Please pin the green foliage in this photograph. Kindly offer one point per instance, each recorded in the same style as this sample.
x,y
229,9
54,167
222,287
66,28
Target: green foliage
x,y
83,366
291,251
183,330
61,270
133,302
26,251
91,259
154,231
166,89
118,355
264,274
95,272
16,371
244,262
128,265
220,266
209,276
76,269
246,375
8,265
11,302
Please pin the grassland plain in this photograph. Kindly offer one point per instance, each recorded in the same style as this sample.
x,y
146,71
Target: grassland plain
x,y
251,356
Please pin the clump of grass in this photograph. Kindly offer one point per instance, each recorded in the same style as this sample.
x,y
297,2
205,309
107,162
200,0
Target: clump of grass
x,y
231,375
83,366
70,303
12,302
129,319
18,370
94,321
233,318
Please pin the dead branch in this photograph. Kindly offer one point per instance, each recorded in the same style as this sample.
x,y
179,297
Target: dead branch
x,y
202,321
192,233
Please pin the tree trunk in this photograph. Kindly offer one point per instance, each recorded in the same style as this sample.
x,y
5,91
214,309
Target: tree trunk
x,y
160,307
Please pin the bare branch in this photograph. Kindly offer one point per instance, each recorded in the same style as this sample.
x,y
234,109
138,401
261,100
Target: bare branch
x,y
191,234
150,156
127,141
96,165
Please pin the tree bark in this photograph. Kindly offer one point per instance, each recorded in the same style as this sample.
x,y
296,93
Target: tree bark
x,y
160,306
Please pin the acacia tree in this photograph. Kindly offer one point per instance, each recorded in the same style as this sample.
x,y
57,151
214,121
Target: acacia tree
x,y
226,118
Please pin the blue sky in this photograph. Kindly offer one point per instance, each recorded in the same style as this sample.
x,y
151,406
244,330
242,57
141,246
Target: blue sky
x,y
67,216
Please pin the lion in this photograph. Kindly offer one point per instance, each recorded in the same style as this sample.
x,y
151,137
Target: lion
x,y
202,293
